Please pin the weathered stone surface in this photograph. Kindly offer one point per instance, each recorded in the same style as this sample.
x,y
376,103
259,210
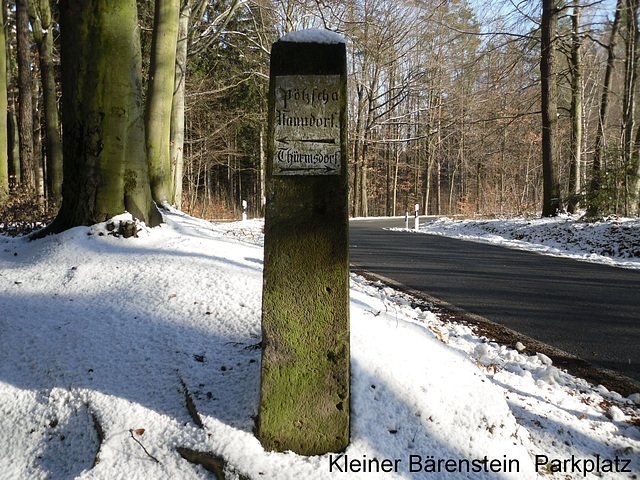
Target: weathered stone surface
x,y
304,403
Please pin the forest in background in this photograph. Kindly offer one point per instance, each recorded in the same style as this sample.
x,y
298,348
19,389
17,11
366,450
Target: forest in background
x,y
445,104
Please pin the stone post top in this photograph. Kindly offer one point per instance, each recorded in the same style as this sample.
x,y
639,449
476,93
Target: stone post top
x,y
313,35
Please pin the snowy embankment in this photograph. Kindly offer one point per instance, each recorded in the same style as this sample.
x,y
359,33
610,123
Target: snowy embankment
x,y
115,353
614,241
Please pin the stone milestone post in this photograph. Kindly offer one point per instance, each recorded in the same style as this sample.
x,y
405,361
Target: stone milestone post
x,y
304,404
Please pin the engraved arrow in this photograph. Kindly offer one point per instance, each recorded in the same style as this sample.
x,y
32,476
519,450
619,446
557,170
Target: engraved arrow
x,y
310,169
286,140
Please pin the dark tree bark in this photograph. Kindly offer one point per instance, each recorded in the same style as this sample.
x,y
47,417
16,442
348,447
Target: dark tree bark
x,y
42,27
4,139
25,101
576,112
551,185
12,120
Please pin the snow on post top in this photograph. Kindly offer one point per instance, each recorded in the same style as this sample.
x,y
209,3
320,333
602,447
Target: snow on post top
x,y
313,35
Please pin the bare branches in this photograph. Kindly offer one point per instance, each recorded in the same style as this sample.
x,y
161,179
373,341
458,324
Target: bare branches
x,y
131,431
214,28
444,96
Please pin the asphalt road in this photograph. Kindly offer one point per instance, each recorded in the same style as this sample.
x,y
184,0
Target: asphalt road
x,y
586,309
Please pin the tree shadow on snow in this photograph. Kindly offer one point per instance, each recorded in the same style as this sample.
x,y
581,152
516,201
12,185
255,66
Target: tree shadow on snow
x,y
79,353
396,430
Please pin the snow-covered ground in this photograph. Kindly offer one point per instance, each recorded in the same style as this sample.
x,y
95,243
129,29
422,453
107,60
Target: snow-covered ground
x,y
614,241
101,336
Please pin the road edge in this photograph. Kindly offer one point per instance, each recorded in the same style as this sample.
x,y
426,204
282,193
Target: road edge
x,y
572,364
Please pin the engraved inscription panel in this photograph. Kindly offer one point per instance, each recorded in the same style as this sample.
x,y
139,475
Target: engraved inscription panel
x,y
307,125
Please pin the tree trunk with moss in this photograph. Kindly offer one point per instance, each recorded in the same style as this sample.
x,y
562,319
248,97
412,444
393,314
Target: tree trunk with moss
x,y
104,155
160,97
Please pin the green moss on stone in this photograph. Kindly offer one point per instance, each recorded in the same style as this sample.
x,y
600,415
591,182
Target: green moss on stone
x,y
305,375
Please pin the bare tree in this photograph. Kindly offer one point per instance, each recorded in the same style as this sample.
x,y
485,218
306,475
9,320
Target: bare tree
x,y
594,201
630,155
192,37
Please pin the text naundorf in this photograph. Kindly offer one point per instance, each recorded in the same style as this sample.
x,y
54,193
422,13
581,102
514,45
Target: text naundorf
x,y
285,119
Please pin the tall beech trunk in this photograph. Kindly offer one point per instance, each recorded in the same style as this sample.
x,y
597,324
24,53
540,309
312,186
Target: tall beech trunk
x,y
177,107
551,185
38,158
4,136
105,166
358,146
15,175
25,100
160,97
41,23
12,120
575,170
